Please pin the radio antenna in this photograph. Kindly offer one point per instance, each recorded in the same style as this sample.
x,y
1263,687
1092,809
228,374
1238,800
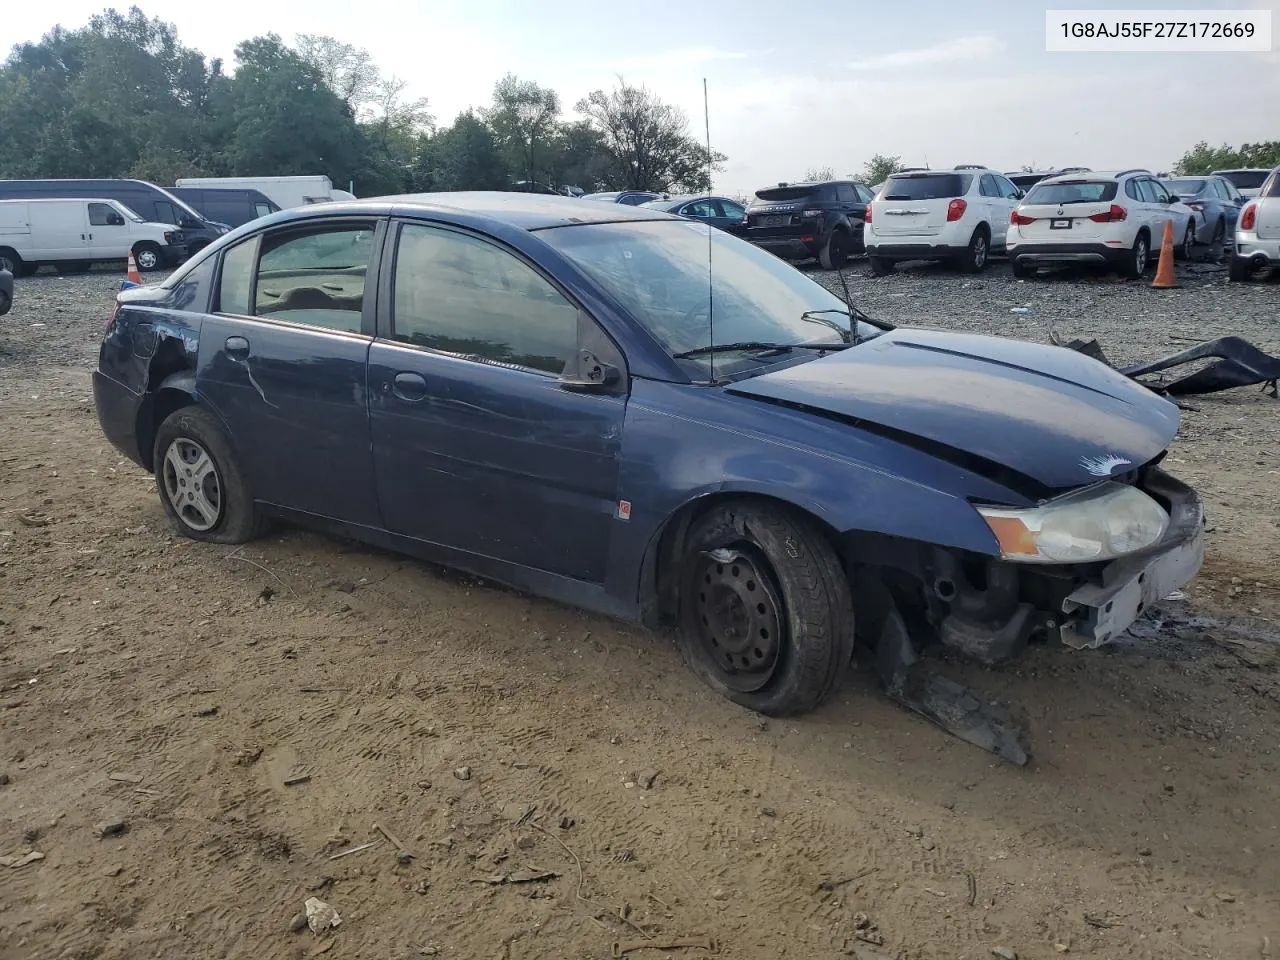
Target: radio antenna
x,y
711,307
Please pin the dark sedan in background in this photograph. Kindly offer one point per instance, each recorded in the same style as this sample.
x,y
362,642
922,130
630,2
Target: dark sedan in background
x,y
1216,202
718,211
680,429
630,198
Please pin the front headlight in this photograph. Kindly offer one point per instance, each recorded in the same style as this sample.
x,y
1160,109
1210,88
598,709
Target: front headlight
x,y
1099,523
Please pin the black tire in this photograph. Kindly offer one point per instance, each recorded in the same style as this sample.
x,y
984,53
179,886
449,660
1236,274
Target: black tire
x,y
1139,258
1220,232
978,253
880,267
770,624
1021,271
835,252
148,257
9,260
237,519
1184,250
5,303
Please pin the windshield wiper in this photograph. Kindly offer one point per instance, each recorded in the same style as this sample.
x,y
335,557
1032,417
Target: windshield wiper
x,y
757,345
816,316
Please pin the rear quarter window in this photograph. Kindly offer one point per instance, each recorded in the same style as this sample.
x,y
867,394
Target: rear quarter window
x,y
1073,192
939,186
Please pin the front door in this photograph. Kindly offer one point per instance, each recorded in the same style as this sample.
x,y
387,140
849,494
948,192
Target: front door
x,y
477,444
108,235
282,362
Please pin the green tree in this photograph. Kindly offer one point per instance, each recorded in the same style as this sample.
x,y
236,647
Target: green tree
x,y
464,156
818,174
286,120
1203,158
579,157
523,117
649,141
879,168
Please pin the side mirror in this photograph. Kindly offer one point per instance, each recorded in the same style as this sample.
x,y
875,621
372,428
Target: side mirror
x,y
588,373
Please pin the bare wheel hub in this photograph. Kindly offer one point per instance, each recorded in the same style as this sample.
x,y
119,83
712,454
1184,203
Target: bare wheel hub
x,y
739,618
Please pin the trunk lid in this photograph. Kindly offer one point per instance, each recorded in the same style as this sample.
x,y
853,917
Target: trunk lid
x,y
1062,211
1268,217
1048,413
915,204
779,211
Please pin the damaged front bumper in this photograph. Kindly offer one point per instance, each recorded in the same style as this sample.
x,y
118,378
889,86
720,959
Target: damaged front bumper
x,y
1104,607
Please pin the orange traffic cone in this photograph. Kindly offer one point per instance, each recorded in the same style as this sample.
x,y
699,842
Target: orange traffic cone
x,y
1164,269
131,274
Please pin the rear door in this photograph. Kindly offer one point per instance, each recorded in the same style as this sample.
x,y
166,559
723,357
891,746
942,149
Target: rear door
x,y
1004,203
282,361
477,444
916,204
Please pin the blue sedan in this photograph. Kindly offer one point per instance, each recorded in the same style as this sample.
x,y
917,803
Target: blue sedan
x,y
646,417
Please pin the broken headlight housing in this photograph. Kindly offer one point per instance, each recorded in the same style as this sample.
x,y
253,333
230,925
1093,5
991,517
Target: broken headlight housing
x,y
1100,522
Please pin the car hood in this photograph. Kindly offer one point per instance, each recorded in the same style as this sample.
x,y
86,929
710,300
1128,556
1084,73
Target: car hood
x,y
1049,415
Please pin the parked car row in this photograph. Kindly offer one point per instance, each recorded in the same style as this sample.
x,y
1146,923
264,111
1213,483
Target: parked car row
x,y
73,224
965,214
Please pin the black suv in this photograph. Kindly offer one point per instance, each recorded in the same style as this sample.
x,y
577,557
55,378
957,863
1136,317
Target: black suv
x,y
800,221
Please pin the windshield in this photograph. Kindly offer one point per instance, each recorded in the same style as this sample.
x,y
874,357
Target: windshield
x,y
935,186
1184,188
1073,191
1246,179
129,212
658,271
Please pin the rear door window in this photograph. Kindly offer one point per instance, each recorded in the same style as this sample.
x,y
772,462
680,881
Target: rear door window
x,y
458,294
987,186
937,186
730,209
236,283
702,209
316,277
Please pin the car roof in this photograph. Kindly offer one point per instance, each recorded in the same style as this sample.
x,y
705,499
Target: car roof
x,y
1095,175
526,211
1246,170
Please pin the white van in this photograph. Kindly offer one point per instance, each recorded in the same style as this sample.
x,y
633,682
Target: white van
x,y
284,192
75,234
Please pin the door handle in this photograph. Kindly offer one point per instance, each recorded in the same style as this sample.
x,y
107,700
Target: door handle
x,y
410,387
237,347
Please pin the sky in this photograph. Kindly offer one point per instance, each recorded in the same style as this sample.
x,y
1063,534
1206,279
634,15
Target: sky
x,y
791,87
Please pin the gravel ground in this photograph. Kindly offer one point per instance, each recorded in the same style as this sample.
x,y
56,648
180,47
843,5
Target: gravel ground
x,y
561,782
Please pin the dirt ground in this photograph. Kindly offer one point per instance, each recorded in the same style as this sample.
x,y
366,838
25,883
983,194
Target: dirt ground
x,y
560,783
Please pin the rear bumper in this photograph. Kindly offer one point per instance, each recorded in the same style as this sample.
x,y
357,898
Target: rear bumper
x,y
914,251
117,408
788,248
1249,247
1029,253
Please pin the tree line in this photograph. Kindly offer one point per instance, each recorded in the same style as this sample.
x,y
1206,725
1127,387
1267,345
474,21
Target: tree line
x,y
123,97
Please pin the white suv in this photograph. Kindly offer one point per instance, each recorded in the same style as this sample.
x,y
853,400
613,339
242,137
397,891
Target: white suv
x,y
1115,219
1257,252
959,215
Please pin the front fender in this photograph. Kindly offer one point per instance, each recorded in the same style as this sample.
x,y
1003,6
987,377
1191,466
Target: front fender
x,y
682,444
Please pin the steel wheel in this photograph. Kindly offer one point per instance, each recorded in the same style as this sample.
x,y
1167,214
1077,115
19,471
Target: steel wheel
x,y
192,484
147,258
739,617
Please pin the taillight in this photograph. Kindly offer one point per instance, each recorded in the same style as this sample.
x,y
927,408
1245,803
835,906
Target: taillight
x,y
955,210
1249,216
1020,219
867,217
1114,215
